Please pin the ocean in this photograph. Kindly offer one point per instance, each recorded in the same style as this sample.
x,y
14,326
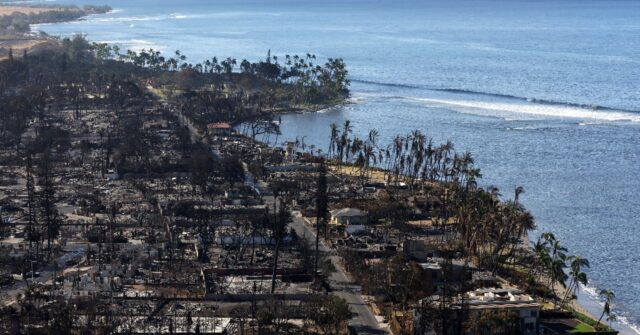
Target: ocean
x,y
545,94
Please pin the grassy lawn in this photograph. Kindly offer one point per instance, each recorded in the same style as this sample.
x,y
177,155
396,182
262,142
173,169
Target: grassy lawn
x,y
583,328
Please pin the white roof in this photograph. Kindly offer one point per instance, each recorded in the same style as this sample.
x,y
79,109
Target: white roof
x,y
347,212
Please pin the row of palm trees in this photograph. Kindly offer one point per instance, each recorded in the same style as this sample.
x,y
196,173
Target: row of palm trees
x,y
300,71
553,260
489,229
409,158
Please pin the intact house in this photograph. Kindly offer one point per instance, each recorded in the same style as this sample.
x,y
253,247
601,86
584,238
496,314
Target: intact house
x,y
489,300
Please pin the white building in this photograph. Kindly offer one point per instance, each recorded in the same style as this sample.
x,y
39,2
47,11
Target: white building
x,y
493,300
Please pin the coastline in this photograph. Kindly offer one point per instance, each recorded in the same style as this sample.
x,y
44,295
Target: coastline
x,y
586,304
583,305
17,39
317,108
313,108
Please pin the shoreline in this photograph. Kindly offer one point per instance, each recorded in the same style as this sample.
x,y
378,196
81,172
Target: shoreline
x,y
313,108
320,108
585,303
17,39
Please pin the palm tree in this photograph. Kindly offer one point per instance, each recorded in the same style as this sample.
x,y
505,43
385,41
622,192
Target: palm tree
x,y
608,296
343,145
333,140
558,275
519,190
557,266
577,277
552,256
541,260
373,137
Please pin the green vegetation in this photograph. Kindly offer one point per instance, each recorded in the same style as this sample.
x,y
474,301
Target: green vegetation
x,y
588,323
306,80
608,296
583,328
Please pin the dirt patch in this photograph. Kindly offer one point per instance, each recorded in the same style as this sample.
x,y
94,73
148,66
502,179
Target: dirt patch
x,y
8,10
32,45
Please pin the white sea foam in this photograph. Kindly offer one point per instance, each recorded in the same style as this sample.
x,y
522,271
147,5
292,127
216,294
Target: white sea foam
x,y
590,290
533,109
621,323
174,16
141,42
135,44
405,39
231,33
100,19
625,321
522,128
179,16
582,124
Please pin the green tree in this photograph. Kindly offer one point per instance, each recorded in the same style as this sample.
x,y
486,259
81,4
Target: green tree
x,y
576,276
608,296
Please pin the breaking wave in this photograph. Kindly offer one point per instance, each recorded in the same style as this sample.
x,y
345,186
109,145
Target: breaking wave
x,y
535,100
530,108
135,44
473,101
99,19
362,81
174,16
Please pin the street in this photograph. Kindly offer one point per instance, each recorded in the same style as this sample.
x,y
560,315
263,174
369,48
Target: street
x,y
363,320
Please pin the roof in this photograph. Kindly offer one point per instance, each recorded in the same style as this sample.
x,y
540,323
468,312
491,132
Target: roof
x,y
504,305
219,125
492,299
347,212
430,266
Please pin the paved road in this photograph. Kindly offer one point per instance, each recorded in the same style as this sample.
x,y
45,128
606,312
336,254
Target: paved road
x,y
258,185
363,322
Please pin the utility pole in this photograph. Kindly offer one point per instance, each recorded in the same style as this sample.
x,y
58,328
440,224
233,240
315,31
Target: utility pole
x,y
321,209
